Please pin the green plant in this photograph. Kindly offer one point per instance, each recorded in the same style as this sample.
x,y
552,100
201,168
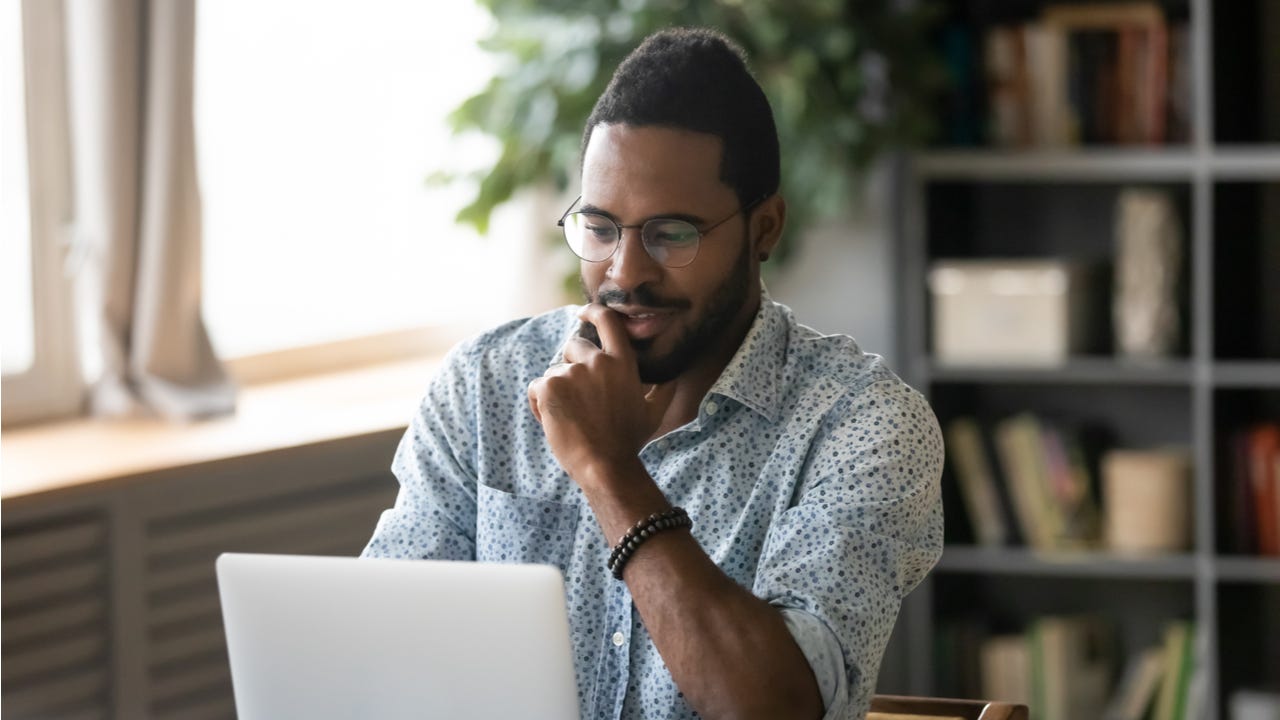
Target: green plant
x,y
847,79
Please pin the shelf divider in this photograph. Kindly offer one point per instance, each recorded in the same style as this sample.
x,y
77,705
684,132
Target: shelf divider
x,y
1174,164
1093,370
1091,564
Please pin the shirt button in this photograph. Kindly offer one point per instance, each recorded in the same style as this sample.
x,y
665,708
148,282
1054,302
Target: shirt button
x,y
618,639
711,408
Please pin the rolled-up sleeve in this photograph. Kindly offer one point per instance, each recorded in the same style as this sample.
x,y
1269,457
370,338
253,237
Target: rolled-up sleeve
x,y
434,516
864,531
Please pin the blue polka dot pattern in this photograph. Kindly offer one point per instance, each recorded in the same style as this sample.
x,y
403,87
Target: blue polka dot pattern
x,y
811,473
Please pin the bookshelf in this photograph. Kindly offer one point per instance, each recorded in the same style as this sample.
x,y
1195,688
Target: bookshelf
x,y
967,198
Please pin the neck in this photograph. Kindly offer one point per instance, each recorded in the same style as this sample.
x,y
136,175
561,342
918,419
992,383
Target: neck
x,y
693,384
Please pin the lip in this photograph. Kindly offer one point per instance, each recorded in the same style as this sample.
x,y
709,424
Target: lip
x,y
643,323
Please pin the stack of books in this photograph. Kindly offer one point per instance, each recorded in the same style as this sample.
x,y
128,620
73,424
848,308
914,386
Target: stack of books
x,y
1063,668
1035,482
1083,73
1044,493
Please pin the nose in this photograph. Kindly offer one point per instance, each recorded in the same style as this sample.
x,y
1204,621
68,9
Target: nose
x,y
631,265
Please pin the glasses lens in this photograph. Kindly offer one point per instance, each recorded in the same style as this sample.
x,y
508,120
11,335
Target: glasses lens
x,y
591,237
673,243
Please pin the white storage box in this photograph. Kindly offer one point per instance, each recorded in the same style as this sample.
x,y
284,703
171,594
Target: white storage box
x,y
1009,312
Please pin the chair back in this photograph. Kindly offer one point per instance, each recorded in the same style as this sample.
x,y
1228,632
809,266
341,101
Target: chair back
x,y
899,707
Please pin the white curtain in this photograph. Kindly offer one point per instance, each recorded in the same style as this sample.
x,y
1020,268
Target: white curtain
x,y
137,206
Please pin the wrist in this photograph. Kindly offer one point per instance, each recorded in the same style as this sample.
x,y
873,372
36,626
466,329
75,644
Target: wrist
x,y
671,519
620,493
604,474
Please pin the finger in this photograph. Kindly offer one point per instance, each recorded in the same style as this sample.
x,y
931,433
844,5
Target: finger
x,y
533,400
613,334
578,350
556,369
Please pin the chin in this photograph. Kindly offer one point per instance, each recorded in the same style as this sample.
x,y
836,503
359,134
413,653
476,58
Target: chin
x,y
655,368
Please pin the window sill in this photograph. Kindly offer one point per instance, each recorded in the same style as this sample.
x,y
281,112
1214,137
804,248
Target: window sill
x,y
270,416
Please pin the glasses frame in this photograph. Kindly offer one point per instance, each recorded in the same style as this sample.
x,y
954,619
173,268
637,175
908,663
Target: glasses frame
x,y
702,232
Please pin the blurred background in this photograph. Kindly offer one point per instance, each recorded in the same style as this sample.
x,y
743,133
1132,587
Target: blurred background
x,y
236,237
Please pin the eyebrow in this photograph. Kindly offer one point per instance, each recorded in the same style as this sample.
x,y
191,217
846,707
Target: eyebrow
x,y
691,219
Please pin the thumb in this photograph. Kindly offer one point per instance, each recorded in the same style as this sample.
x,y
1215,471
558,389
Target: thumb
x,y
657,400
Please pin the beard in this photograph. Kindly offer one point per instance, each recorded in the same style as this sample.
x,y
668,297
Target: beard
x,y
699,338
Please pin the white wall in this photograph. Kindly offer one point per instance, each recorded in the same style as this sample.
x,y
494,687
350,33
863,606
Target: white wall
x,y
839,280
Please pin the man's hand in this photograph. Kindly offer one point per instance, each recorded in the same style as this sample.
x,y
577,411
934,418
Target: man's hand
x,y
593,407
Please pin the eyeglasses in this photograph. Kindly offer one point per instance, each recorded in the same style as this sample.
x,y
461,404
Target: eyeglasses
x,y
673,243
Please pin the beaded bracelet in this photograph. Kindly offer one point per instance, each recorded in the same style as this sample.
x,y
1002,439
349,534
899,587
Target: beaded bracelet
x,y
643,530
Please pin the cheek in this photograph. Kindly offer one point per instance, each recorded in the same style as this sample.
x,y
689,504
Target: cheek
x,y
590,276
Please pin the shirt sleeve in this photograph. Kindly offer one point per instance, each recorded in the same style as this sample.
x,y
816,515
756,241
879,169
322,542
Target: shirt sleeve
x,y
434,516
866,528
823,652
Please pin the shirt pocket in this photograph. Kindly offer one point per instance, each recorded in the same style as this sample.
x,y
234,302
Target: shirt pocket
x,y
518,529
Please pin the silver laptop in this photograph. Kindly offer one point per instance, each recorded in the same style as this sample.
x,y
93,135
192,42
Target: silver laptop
x,y
323,637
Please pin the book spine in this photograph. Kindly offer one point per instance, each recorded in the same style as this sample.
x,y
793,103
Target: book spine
x,y
1264,443
1157,82
1244,525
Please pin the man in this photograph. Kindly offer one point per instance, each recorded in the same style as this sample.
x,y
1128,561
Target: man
x,y
809,472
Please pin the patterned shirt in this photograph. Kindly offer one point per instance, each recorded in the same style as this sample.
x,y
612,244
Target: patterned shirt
x,y
811,473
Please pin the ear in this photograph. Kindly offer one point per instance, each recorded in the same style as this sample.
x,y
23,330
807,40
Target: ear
x,y
767,222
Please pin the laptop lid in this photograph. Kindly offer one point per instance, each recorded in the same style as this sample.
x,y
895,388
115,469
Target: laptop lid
x,y
325,637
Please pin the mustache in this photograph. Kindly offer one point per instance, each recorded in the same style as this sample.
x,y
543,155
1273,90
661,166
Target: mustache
x,y
642,296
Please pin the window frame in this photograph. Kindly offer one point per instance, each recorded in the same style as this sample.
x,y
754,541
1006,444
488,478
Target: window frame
x,y
53,386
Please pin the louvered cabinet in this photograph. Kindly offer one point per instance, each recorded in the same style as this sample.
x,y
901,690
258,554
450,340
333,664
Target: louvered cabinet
x,y
56,614
110,602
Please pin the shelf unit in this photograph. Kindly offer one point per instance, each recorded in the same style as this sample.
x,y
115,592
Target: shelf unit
x,y
975,202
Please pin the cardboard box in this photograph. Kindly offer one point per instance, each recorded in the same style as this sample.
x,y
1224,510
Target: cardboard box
x,y
1010,312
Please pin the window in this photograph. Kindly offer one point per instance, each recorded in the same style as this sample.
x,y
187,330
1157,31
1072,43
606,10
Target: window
x,y
17,343
41,373
317,126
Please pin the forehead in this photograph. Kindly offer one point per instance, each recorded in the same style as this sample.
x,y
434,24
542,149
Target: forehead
x,y
637,170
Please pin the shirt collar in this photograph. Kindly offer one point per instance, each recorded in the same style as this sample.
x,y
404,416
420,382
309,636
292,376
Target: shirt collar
x,y
754,376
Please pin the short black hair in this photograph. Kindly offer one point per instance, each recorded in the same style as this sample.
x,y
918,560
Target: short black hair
x,y
697,79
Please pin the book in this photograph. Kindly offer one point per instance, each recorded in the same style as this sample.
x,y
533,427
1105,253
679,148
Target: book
x,y
1095,73
1244,535
1131,90
1071,487
1051,119
1179,661
1070,667
1177,113
1005,668
1136,690
958,670
962,116
976,480
1049,478
1144,70
1263,449
1019,445
1090,84
1005,63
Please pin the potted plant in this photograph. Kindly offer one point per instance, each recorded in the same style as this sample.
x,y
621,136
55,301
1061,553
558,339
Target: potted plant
x,y
848,79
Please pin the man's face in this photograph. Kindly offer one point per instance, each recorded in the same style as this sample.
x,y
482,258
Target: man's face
x,y
676,317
